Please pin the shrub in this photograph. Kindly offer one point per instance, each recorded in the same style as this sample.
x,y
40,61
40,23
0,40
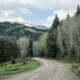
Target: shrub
x,y
13,61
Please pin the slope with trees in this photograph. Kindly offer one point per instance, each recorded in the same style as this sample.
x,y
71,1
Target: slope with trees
x,y
8,50
52,47
42,45
63,39
16,30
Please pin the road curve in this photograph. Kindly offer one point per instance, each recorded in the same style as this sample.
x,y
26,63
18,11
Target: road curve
x,y
49,70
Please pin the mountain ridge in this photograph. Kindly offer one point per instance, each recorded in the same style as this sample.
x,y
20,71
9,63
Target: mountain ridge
x,y
8,29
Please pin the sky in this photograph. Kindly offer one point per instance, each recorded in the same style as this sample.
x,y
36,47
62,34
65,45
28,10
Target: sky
x,y
37,12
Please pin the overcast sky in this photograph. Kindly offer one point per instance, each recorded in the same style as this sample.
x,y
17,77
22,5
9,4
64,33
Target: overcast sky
x,y
36,11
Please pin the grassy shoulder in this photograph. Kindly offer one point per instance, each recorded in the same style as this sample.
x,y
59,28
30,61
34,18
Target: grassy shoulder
x,y
18,67
67,61
76,68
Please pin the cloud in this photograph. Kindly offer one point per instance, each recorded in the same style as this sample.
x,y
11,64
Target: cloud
x,y
14,10
16,6
48,21
62,14
6,13
9,4
22,8
55,4
39,4
14,13
16,20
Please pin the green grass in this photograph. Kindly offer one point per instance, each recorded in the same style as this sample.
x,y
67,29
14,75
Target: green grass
x,y
67,61
18,67
76,68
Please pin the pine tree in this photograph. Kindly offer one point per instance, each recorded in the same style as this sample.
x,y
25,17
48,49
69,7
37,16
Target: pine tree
x,y
52,39
56,22
61,22
78,11
30,48
68,16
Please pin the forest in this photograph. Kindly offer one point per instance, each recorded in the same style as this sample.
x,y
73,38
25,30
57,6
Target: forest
x,y
63,39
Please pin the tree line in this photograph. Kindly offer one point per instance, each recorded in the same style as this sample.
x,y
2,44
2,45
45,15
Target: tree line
x,y
63,38
9,50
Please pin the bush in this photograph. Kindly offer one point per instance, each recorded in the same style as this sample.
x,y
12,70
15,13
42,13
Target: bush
x,y
13,61
2,65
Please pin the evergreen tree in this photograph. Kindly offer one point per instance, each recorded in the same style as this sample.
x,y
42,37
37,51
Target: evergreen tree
x,y
56,22
68,16
52,48
61,22
78,11
8,50
30,48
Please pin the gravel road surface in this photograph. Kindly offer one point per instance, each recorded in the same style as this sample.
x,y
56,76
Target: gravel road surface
x,y
49,70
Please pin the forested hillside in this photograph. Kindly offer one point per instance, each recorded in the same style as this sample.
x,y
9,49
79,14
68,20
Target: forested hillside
x,y
16,30
63,39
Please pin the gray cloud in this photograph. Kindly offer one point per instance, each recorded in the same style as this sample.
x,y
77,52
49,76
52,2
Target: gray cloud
x,y
21,8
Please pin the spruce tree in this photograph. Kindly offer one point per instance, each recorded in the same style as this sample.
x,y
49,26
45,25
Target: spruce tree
x,y
56,22
78,11
30,48
61,22
68,16
52,48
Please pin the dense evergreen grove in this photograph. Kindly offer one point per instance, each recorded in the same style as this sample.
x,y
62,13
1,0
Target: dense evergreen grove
x,y
52,39
8,50
78,11
30,53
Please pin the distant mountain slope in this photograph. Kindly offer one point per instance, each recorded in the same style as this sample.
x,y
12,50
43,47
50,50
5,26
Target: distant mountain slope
x,y
41,27
17,30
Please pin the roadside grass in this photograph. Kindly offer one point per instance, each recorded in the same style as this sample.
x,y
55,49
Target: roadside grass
x,y
76,68
19,67
67,61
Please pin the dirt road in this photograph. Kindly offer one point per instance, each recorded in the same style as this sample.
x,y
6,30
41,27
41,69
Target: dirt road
x,y
49,70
